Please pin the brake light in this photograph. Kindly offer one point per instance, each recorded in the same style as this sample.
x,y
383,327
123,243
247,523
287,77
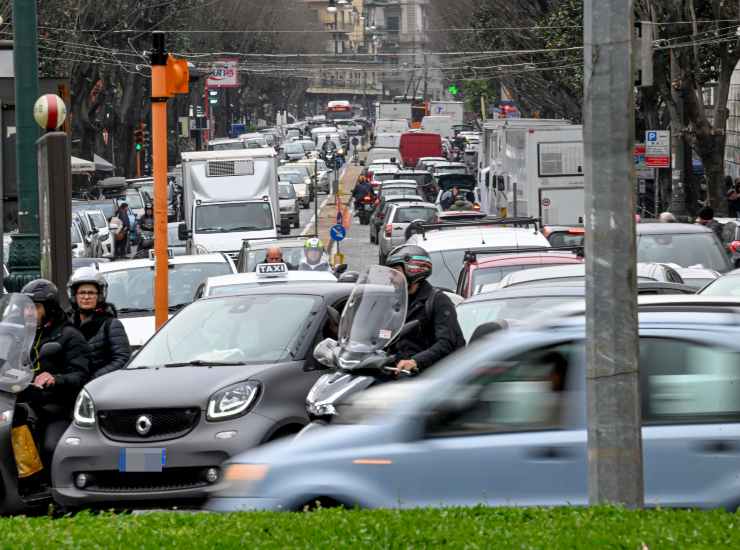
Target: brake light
x,y
476,207
576,231
388,230
734,246
369,175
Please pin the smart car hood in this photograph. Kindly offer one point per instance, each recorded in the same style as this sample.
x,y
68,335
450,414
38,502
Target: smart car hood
x,y
167,387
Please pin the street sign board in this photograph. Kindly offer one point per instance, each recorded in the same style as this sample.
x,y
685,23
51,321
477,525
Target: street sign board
x,y
224,74
657,149
337,232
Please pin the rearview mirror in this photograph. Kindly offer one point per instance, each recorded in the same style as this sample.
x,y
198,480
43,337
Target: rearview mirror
x,y
50,349
323,353
182,232
349,277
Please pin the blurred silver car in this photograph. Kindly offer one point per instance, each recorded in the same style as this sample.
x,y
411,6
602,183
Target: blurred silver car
x,y
503,423
288,203
399,216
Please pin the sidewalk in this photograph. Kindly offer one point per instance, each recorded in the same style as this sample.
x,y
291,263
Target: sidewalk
x,y
328,211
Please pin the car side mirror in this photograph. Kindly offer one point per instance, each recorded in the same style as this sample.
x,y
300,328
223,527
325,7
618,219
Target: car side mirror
x,y
50,349
341,268
324,352
183,234
362,163
349,277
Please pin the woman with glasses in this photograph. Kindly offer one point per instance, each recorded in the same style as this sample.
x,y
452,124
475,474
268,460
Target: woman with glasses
x,y
96,319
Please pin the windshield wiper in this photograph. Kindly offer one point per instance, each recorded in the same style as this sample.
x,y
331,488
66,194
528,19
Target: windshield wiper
x,y
135,310
201,363
248,228
177,307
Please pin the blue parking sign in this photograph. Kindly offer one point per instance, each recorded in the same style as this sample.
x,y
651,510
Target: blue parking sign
x,y
652,136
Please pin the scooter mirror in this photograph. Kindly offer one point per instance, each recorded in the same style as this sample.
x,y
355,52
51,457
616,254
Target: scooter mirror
x,y
323,353
50,349
349,277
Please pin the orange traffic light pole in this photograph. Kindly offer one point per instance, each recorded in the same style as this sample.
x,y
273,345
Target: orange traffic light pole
x,y
169,77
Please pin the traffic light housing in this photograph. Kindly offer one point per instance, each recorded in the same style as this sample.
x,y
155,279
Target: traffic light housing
x,y
139,138
177,76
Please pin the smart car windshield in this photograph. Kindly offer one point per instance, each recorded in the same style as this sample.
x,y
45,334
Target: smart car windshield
x,y
237,329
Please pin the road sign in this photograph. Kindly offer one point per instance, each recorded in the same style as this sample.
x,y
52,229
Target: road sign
x,y
658,149
337,232
545,202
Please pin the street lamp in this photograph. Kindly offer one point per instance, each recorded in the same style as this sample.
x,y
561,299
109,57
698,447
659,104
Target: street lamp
x,y
332,7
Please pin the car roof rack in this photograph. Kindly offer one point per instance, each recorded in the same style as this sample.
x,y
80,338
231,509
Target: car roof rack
x,y
472,255
423,228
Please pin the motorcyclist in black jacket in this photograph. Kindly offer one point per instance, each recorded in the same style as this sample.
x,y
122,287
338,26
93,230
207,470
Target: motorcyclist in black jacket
x,y
59,378
439,333
97,320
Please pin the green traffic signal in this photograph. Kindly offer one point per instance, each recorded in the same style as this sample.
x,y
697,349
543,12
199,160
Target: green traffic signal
x,y
453,89
139,147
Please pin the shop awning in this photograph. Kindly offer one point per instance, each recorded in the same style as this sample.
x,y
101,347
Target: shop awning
x,y
82,166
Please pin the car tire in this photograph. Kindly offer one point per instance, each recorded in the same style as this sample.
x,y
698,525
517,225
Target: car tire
x,y
381,258
372,235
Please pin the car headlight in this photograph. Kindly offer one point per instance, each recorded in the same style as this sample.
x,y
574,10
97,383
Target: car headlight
x,y
84,414
200,249
232,401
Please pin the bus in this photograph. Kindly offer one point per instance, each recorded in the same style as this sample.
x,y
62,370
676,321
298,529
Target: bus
x,y
339,110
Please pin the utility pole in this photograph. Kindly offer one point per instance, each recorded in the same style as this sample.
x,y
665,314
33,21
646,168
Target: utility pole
x,y
169,77
615,472
25,255
681,166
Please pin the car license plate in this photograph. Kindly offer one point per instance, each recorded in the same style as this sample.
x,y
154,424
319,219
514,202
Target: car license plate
x,y
141,459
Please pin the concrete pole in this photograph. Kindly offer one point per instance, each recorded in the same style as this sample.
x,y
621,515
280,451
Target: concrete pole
x,y
614,437
25,258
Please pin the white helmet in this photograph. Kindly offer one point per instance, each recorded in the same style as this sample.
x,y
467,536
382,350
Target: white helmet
x,y
89,276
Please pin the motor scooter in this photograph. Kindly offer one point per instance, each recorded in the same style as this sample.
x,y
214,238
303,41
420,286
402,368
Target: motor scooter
x,y
373,319
365,207
17,331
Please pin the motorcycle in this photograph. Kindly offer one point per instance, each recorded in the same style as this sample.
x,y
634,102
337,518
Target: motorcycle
x,y
371,322
17,331
365,207
146,243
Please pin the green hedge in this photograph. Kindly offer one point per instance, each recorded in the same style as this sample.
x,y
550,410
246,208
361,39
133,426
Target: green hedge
x,y
603,527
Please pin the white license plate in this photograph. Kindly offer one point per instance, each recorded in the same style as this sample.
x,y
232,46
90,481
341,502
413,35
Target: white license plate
x,y
141,459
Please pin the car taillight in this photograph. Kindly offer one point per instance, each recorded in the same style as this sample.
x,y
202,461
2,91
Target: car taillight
x,y
476,207
388,230
369,175
734,246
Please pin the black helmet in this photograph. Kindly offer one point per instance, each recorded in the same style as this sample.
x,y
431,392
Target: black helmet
x,y
417,265
42,291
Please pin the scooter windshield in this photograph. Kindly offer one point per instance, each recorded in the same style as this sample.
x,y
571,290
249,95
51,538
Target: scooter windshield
x,y
17,330
375,311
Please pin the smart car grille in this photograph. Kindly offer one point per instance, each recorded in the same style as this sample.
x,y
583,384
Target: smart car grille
x,y
121,425
169,479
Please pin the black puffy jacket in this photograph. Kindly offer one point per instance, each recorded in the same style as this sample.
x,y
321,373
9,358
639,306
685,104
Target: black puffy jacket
x,y
109,346
70,367
439,333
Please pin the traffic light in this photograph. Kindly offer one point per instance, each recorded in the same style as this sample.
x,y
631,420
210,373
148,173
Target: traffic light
x,y
145,136
453,89
139,138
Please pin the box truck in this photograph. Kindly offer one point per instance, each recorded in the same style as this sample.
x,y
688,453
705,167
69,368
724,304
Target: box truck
x,y
229,197
395,110
542,174
453,109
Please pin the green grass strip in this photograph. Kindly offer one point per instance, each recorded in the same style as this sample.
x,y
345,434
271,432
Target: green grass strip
x,y
588,528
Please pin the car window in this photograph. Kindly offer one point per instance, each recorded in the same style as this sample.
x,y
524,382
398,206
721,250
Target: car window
x,y
471,315
490,275
525,394
684,381
134,288
728,285
683,249
447,264
286,191
561,238
292,255
411,213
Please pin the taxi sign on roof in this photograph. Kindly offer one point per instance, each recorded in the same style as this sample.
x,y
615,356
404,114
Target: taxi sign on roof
x,y
272,270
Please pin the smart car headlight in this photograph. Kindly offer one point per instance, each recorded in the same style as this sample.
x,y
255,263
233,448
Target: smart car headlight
x,y
232,401
84,413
